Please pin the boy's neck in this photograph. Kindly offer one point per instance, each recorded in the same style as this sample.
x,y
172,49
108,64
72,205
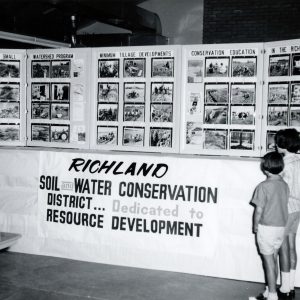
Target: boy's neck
x,y
270,175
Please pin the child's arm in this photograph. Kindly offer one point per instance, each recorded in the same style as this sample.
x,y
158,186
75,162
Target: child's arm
x,y
257,216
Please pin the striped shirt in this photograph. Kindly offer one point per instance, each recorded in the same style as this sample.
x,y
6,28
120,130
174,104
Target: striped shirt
x,y
291,175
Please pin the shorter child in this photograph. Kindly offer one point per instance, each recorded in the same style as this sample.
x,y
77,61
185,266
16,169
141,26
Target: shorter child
x,y
270,217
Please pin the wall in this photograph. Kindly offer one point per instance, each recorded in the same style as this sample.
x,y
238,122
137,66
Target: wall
x,y
241,21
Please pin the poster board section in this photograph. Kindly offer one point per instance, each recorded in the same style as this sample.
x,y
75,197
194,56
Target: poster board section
x,y
12,97
135,103
281,106
58,98
221,99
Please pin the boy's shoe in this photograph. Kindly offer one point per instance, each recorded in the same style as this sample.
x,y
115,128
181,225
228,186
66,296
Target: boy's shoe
x,y
261,297
283,296
292,294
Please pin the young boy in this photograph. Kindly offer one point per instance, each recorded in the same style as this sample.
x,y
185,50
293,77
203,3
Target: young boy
x,y
270,217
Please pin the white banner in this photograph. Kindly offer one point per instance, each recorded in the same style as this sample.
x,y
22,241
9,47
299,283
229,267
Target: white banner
x,y
187,215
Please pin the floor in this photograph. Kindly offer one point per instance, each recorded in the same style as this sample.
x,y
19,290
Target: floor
x,y
33,277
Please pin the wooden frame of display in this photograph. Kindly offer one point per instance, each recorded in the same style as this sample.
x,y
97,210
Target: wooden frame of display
x,y
135,97
58,98
221,99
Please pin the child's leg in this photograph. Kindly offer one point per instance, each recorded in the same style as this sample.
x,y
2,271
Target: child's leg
x,y
284,260
270,269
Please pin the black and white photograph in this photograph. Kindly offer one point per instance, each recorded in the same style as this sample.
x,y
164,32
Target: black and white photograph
x,y
161,92
60,111
161,137
216,93
134,92
271,140
194,134
195,71
242,115
295,116
40,110
40,132
295,64
243,93
194,104
9,69
40,69
279,65
9,132
60,91
108,68
241,140
108,92
134,67
216,115
40,91
161,113
215,139
107,135
60,68
107,112
60,133
278,93
277,115
295,93
244,66
133,136
162,67
134,112
9,110
10,91
217,67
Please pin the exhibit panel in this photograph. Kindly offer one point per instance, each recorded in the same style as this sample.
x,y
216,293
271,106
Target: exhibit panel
x,y
281,106
221,99
135,102
12,97
58,98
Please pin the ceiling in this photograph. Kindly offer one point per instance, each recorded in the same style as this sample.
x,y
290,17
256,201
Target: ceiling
x,y
52,20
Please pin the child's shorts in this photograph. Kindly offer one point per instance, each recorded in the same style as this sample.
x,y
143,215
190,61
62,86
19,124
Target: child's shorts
x,y
292,223
269,239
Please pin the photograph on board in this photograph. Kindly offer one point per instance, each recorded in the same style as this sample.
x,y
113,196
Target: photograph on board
x,y
40,91
242,115
161,137
295,116
9,110
107,135
60,91
241,140
295,93
60,68
108,92
108,68
195,71
133,136
278,93
277,115
40,110
161,92
217,67
295,64
107,112
9,132
215,115
194,104
161,113
134,67
162,67
9,69
60,133
194,134
216,93
40,69
243,93
40,132
134,92
271,140
134,112
244,66
279,65
10,91
60,111
215,139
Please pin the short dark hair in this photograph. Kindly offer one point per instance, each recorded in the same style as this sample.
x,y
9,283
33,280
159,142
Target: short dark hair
x,y
288,139
272,162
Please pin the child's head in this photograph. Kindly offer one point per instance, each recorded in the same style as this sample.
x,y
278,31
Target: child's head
x,y
272,163
288,139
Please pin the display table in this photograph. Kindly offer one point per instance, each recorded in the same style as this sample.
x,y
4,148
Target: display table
x,y
7,239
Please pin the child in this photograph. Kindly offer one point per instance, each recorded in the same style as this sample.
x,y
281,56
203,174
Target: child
x,y
288,143
270,217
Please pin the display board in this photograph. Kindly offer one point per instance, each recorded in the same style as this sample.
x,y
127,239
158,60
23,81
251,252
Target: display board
x,y
221,99
135,99
58,97
282,89
12,97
